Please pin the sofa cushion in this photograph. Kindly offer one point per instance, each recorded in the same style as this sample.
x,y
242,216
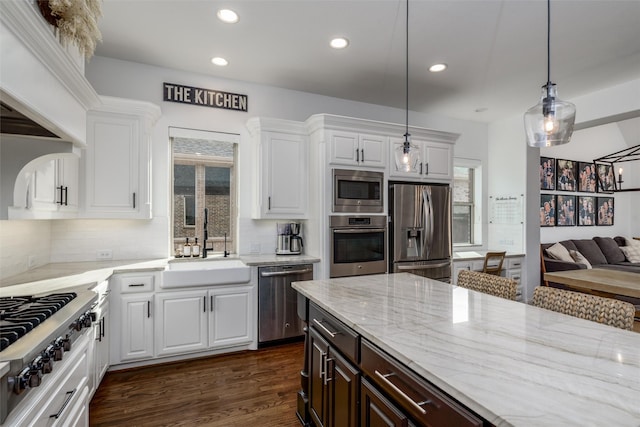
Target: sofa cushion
x,y
621,241
579,258
632,253
610,249
559,252
591,251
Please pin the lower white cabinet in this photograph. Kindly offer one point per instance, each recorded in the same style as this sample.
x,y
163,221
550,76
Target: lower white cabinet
x,y
201,319
136,331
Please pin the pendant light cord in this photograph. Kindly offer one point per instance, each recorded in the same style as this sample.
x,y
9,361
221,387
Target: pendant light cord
x,y
548,47
407,77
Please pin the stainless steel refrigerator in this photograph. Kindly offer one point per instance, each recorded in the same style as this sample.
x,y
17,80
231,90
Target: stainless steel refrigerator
x,y
420,230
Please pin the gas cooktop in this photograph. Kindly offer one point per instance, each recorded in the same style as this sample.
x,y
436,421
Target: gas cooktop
x,y
20,315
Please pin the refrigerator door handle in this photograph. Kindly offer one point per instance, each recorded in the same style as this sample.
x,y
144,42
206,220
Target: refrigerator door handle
x,y
422,267
428,220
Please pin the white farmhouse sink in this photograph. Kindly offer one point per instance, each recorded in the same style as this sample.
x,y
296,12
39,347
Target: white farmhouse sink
x,y
205,273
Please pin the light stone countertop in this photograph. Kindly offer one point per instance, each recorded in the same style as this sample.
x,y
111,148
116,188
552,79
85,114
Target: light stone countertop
x,y
511,363
273,259
475,255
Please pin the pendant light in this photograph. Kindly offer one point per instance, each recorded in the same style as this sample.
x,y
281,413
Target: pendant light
x,y
406,156
550,121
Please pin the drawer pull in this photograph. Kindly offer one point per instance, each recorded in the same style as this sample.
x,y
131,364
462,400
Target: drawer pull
x,y
319,323
64,405
417,406
136,285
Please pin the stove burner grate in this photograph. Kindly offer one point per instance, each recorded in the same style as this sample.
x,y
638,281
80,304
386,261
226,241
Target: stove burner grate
x,y
19,315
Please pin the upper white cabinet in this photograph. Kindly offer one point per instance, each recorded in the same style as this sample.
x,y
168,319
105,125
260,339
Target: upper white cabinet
x,y
357,149
117,163
430,160
281,160
47,188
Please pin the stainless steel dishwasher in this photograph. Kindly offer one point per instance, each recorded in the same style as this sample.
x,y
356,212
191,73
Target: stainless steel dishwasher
x,y
278,302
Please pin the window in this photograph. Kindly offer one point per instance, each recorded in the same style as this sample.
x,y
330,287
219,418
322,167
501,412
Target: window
x,y
466,228
204,181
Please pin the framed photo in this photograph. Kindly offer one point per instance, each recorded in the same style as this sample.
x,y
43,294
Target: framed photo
x,y
547,173
566,175
547,210
565,210
586,210
606,180
586,177
605,211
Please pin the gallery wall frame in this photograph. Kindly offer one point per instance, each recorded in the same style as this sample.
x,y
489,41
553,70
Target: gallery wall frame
x,y
587,181
547,173
547,210
565,210
605,211
586,211
566,172
606,179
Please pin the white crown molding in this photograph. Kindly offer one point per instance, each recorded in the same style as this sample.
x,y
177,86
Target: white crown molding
x,y
24,20
113,105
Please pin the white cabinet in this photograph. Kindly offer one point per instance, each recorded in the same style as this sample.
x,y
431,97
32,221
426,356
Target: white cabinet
x,y
182,322
357,149
471,265
47,188
231,316
195,320
117,163
99,349
281,168
132,316
429,160
513,270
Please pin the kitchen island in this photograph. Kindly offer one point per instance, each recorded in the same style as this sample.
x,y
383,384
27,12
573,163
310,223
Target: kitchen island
x,y
502,361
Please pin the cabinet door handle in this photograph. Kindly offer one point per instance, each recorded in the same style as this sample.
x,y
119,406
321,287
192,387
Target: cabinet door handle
x,y
319,323
416,405
269,203
427,168
69,395
204,304
357,155
148,309
134,200
362,151
60,199
103,329
420,168
211,302
327,370
136,285
66,196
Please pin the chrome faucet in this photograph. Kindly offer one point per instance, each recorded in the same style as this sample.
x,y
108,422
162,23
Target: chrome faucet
x,y
206,233
226,253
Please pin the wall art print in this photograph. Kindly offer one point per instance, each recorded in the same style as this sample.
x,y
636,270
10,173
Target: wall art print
x,y
566,175
586,210
565,210
586,177
605,211
547,173
547,210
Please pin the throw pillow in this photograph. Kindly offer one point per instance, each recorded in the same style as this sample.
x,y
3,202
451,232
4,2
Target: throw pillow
x,y
632,252
559,252
610,249
580,259
633,242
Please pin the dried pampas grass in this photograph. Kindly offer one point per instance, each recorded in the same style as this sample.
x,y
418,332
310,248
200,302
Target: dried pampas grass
x,y
76,21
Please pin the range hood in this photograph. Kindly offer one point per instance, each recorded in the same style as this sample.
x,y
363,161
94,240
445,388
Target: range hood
x,y
15,123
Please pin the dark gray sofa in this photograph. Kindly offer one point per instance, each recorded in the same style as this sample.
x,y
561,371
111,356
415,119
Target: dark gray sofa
x,y
601,252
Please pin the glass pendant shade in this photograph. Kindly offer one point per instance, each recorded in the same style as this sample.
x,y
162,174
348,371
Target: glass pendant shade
x,y
407,160
549,122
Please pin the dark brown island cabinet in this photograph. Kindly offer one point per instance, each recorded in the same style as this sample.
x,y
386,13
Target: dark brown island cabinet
x,y
348,381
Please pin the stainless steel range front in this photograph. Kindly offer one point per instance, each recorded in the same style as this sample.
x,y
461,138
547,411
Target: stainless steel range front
x,y
37,334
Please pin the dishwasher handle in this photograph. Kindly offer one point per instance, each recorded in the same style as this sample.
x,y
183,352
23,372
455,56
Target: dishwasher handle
x,y
285,273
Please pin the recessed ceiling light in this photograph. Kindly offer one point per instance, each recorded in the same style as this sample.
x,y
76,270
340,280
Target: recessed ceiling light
x,y
219,61
339,43
436,68
481,109
228,16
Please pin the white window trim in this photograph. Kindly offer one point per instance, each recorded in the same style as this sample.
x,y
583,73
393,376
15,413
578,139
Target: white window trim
x,y
476,165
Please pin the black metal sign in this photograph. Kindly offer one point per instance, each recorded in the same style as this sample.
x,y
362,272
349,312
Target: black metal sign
x,y
204,97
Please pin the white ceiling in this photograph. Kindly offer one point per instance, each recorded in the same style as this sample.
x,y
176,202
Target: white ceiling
x,y
496,50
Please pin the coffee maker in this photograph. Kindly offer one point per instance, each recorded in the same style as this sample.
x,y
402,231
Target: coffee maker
x,y
289,241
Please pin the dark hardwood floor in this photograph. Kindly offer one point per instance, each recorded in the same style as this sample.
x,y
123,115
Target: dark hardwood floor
x,y
249,389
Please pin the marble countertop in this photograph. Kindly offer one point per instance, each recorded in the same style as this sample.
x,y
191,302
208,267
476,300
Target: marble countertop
x,y
512,363
473,255
273,259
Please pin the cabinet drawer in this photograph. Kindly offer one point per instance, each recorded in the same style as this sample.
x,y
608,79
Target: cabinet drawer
x,y
414,395
136,283
514,262
337,333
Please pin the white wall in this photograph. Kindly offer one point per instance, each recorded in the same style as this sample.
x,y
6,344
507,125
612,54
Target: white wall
x,y
25,244
78,240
